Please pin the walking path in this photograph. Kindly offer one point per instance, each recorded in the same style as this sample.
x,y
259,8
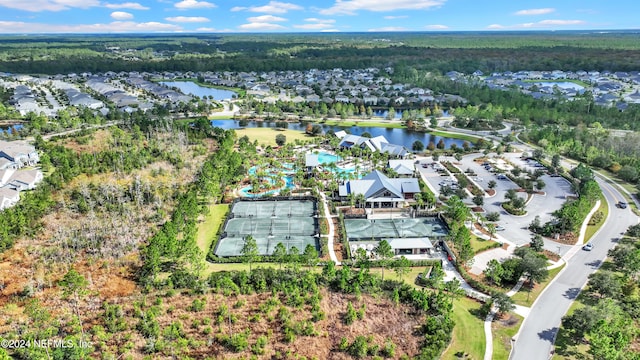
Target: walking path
x,y
327,215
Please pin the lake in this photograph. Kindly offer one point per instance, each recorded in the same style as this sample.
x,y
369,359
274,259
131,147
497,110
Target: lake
x,y
10,128
562,85
395,136
189,87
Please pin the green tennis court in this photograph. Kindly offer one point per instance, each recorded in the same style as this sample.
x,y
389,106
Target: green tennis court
x,y
269,222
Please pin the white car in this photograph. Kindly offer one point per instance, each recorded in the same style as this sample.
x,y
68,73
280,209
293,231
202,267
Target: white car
x,y
500,228
587,247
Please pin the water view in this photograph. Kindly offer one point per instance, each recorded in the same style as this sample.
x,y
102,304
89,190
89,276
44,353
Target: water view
x,y
189,87
562,85
395,136
10,128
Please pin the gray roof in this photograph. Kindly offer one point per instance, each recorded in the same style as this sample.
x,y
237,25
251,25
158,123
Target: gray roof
x,y
410,243
402,167
376,186
311,160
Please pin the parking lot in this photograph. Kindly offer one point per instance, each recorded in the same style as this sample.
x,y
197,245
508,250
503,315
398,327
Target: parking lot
x,y
515,228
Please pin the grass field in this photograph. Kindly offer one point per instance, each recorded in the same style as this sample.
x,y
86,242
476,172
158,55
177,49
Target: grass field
x,y
526,298
470,138
208,228
591,229
468,334
349,123
267,136
479,245
503,331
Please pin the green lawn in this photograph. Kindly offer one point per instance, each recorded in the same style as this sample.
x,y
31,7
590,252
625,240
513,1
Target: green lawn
x,y
591,229
409,278
468,334
208,228
479,244
349,123
526,298
454,135
503,331
267,136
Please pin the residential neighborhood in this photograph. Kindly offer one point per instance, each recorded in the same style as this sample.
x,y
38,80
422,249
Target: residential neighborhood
x,y
17,172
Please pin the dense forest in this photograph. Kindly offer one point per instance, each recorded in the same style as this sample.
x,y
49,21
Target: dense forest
x,y
439,52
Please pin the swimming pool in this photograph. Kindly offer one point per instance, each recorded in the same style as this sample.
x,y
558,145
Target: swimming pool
x,y
288,184
326,158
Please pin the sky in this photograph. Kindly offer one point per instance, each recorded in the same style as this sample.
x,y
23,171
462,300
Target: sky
x,y
242,16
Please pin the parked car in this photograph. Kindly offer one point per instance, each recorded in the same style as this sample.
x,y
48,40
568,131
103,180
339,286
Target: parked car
x,y
587,247
502,177
500,228
622,205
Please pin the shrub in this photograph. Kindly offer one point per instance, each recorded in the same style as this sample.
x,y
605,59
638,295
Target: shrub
x,y
351,315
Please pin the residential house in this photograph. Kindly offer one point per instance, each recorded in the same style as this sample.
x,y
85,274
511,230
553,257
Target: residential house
x,y
8,198
19,152
22,180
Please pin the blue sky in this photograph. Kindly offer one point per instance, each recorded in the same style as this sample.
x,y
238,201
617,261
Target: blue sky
x,y
145,16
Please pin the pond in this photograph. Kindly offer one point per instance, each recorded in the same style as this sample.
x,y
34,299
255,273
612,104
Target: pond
x,y
189,87
10,128
395,136
562,85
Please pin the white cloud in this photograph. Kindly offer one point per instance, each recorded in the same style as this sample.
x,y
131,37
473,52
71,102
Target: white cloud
x,y
259,26
437,27
542,11
391,17
350,7
127,5
265,19
539,24
12,27
389,28
48,5
561,22
121,15
316,24
273,7
187,19
194,4
209,29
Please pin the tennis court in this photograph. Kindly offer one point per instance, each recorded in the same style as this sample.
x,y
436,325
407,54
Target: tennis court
x,y
377,229
269,222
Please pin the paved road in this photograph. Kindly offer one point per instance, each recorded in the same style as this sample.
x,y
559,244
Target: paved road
x,y
537,334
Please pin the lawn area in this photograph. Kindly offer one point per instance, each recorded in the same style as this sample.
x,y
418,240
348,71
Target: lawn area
x,y
409,278
349,123
479,245
524,298
214,267
208,228
591,229
468,334
454,135
267,136
503,331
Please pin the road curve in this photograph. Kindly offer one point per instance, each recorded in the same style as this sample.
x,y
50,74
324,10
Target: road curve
x,y
538,332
